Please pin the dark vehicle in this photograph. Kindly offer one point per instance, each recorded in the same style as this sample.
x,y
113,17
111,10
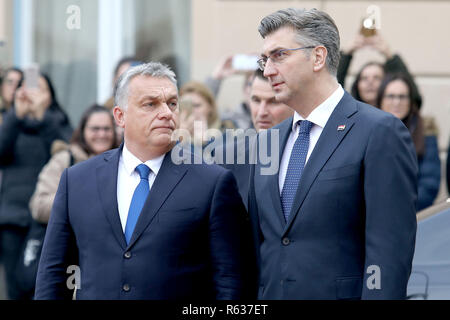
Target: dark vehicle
x,y
430,276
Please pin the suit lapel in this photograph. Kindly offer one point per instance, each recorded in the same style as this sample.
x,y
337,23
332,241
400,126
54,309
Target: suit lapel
x,y
272,180
329,140
168,177
107,189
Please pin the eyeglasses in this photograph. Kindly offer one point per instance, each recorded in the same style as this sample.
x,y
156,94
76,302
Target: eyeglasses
x,y
277,56
401,97
11,82
95,129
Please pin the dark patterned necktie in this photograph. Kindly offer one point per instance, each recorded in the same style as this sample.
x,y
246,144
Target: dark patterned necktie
x,y
295,167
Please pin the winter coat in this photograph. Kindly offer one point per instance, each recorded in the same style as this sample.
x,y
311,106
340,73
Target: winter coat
x,y
42,200
429,179
24,149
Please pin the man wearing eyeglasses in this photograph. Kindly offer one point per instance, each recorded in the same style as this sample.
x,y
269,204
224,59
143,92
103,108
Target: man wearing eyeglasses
x,y
338,220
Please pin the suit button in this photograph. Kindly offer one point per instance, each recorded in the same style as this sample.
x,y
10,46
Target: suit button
x,y
126,287
127,255
286,241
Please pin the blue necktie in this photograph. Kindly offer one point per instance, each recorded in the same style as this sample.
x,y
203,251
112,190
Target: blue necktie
x,y
295,167
137,202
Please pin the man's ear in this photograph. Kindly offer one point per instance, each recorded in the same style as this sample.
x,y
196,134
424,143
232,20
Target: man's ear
x,y
119,116
319,55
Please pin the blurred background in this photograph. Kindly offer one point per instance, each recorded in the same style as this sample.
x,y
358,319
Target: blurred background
x,y
79,42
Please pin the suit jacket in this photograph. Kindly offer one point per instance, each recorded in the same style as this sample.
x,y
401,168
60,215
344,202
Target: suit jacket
x,y
354,212
187,242
240,160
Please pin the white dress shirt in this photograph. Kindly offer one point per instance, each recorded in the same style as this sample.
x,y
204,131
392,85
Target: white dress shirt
x,y
319,117
128,179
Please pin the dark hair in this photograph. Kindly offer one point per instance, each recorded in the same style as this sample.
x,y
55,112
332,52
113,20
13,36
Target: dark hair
x,y
354,88
413,121
78,135
313,27
5,73
416,97
54,104
133,61
257,74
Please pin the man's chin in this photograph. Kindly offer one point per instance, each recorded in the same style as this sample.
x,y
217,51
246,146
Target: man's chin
x,y
162,140
264,126
281,96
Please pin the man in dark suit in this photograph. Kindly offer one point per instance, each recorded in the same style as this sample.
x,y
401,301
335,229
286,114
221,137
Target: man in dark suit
x,y
266,112
337,220
141,226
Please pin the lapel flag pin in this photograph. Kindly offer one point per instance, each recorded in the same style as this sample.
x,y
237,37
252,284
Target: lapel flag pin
x,y
341,127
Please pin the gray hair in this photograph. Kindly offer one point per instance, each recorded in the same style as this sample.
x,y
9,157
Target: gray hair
x,y
151,69
313,27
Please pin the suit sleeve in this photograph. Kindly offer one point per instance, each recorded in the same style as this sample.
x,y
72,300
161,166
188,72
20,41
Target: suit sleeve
x,y
57,251
234,265
390,191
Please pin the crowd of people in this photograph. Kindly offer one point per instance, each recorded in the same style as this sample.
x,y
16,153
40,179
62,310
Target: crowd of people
x,y
196,243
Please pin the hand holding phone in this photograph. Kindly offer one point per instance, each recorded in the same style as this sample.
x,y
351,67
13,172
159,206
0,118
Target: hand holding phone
x,y
31,75
245,62
22,103
40,102
368,27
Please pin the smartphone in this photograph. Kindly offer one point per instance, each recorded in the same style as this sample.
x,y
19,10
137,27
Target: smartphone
x,y
31,75
245,62
368,27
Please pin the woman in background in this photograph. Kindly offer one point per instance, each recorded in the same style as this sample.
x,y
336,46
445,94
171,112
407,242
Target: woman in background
x,y
29,127
396,97
368,79
94,135
9,83
198,106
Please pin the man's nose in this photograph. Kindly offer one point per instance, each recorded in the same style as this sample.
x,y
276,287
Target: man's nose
x,y
165,111
263,109
269,69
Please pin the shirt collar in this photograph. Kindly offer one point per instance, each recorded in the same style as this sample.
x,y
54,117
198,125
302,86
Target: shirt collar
x,y
320,115
130,162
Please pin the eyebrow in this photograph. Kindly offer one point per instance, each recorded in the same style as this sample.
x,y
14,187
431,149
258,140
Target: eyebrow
x,y
272,51
174,96
151,97
157,97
